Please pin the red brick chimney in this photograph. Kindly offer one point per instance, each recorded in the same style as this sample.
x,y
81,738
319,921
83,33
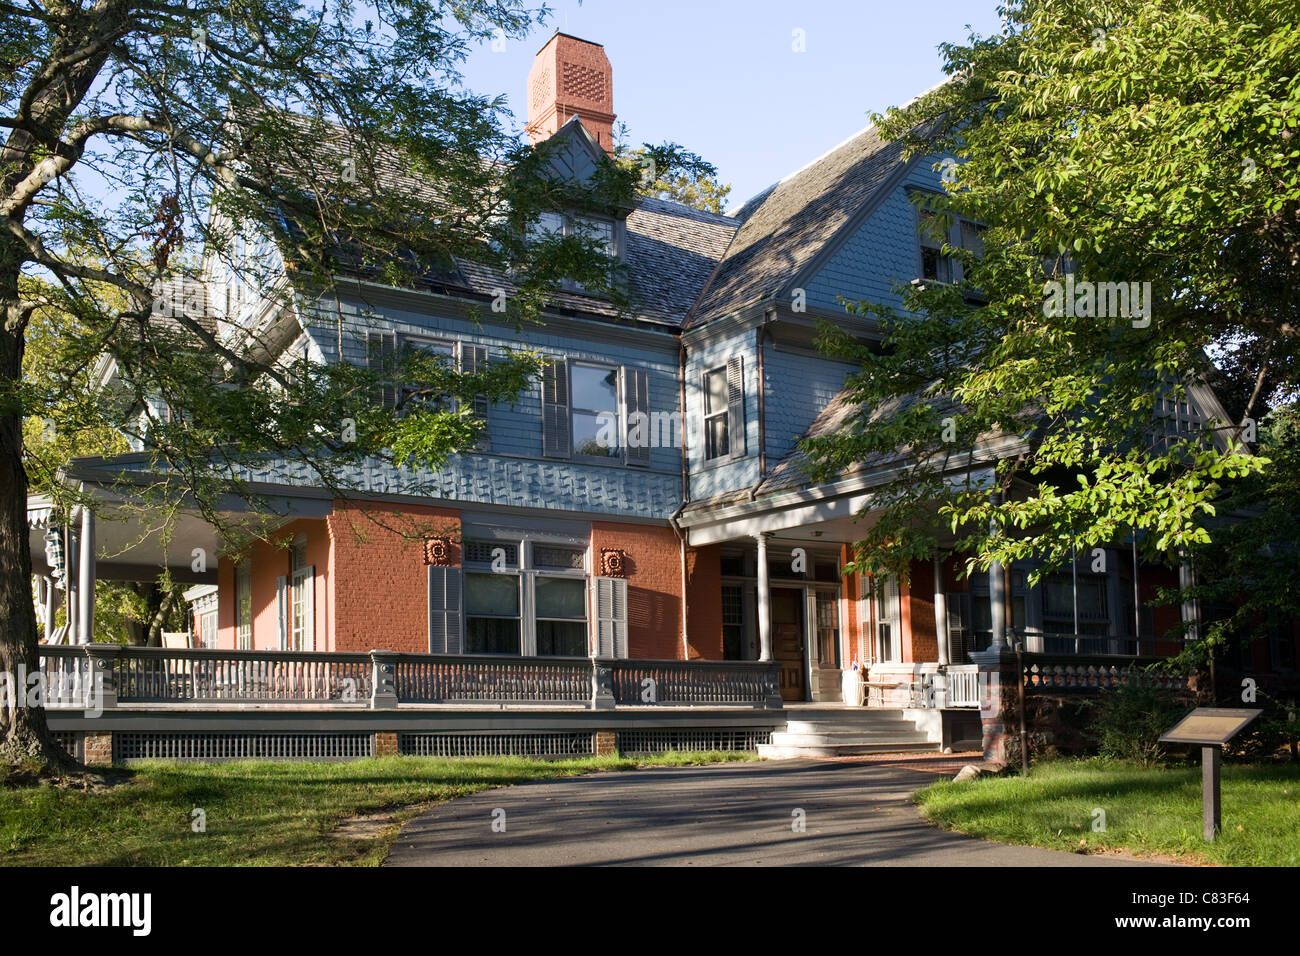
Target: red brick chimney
x,y
571,77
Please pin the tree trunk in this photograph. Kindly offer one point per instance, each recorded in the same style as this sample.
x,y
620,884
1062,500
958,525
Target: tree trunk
x,y
26,736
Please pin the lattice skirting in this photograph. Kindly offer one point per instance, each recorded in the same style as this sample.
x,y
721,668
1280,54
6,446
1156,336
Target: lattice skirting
x,y
69,741
235,746
659,741
497,745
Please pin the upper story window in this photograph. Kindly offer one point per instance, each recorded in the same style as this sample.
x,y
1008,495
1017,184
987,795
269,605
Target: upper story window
x,y
597,424
593,410
934,229
723,406
604,233
417,396
381,348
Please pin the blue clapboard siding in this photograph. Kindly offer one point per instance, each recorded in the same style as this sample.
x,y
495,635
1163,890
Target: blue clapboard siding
x,y
725,474
514,472
799,386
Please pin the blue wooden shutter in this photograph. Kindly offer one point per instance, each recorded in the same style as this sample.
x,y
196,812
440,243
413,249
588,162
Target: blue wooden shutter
x,y
611,617
556,438
636,401
736,406
381,348
444,610
473,360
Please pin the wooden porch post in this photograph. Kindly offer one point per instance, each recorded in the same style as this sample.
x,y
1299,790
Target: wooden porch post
x,y
86,579
940,614
764,602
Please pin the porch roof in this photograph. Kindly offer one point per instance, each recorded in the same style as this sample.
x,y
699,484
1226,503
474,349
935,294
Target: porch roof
x,y
134,542
786,499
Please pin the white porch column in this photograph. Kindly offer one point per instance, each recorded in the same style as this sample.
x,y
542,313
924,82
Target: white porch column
x,y
940,614
997,591
764,601
86,579
939,682
1190,611
71,561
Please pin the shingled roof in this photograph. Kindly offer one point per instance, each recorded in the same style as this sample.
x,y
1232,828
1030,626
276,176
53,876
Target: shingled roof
x,y
670,251
786,225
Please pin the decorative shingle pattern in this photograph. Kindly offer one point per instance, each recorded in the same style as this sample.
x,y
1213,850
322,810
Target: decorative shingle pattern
x,y
784,227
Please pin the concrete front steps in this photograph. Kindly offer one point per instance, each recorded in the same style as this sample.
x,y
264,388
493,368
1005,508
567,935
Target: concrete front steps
x,y
843,732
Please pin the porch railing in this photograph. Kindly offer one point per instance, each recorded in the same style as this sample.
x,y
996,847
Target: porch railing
x,y
160,675
110,675
429,679
693,682
963,685
1045,673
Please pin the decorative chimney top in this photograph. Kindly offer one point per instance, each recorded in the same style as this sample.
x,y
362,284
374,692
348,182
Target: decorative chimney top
x,y
571,77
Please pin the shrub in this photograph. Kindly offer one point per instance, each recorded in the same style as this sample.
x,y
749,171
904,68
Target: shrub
x,y
1127,721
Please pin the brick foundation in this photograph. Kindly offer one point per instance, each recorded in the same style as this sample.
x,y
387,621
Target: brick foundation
x,y
385,744
606,743
99,750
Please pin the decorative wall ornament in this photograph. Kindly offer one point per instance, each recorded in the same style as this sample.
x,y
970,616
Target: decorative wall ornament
x,y
437,551
613,563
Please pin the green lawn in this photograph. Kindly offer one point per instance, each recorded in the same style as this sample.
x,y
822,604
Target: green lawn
x,y
1147,811
259,813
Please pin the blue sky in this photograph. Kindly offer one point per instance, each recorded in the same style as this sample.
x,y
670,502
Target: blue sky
x,y
722,79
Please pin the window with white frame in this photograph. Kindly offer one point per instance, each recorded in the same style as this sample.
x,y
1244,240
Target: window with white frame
x,y
603,233
416,396
524,598
716,444
296,600
596,416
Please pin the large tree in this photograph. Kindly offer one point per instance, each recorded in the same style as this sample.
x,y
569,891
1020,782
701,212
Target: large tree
x,y
150,146
1129,141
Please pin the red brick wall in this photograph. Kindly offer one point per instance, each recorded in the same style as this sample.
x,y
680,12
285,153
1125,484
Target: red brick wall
x,y
704,602
226,603
654,585
380,580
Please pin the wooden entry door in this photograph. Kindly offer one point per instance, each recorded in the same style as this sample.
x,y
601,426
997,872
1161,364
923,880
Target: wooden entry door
x,y
788,641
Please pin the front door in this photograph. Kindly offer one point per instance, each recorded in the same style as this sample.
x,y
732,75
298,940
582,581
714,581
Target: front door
x,y
788,640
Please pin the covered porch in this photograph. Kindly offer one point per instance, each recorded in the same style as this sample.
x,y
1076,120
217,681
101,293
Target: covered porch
x,y
913,642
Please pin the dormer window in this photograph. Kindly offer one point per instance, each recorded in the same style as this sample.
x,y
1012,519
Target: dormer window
x,y
934,230
605,233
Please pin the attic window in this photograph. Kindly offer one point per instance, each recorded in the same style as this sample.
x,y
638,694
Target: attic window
x,y
933,230
603,232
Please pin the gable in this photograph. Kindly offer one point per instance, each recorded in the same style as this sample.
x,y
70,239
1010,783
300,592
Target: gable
x,y
782,233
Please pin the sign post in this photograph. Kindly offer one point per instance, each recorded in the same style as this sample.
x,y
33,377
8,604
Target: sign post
x,y
1211,727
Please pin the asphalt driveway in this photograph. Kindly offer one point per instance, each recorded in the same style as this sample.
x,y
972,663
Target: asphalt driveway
x,y
742,814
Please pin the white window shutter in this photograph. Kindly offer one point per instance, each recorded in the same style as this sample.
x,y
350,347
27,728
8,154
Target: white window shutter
x,y
736,406
282,611
611,617
307,581
444,610
636,402
556,437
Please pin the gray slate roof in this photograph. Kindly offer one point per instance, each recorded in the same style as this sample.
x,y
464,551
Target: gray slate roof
x,y
786,225
671,248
